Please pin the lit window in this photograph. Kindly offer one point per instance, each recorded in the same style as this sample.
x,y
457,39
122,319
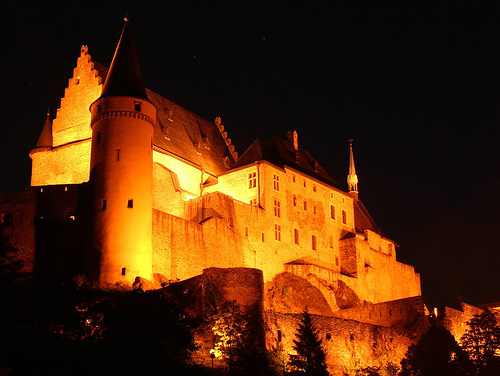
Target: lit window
x,y
296,235
276,182
314,245
344,217
277,232
277,208
332,212
252,180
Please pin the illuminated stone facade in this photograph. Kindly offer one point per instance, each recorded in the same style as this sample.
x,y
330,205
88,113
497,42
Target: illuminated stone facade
x,y
212,209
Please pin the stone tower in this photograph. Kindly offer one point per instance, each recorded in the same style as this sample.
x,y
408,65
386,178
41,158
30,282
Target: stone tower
x,y
122,122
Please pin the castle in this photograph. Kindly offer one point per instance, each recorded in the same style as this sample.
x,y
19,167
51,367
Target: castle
x,y
129,187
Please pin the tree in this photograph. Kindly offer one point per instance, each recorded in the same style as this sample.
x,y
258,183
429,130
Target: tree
x,y
436,353
482,342
9,263
311,357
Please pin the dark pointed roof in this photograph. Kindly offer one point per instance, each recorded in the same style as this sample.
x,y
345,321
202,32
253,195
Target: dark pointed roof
x,y
282,153
124,77
45,139
362,219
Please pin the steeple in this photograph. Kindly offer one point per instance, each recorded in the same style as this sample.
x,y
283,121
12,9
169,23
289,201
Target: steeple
x,y
124,77
352,178
45,139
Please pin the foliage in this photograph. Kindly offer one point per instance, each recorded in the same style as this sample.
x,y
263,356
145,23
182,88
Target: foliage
x,y
482,342
10,265
436,353
310,359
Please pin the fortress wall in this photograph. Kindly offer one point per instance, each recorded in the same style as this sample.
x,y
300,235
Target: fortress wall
x,y
456,320
348,344
17,214
68,164
402,313
182,249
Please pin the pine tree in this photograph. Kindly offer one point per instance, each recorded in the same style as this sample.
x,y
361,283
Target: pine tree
x,y
436,353
310,359
482,342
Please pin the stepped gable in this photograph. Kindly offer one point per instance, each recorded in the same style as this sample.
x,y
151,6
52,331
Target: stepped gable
x,y
282,153
362,219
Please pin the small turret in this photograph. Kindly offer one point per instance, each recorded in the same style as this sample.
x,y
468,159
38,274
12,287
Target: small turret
x,y
122,121
45,139
352,178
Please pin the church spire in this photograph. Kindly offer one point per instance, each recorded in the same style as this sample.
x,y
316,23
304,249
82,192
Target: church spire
x,y
352,178
124,77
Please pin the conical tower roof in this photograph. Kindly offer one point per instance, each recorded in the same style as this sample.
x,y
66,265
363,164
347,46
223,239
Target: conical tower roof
x,y
45,139
124,77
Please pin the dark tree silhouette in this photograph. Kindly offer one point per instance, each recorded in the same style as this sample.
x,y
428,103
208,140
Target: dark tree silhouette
x,y
310,359
482,342
9,263
437,353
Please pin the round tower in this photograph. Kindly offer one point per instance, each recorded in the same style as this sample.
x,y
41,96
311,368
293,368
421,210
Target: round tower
x,y
121,172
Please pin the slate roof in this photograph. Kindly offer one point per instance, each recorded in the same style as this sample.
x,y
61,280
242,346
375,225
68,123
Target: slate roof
x,y
362,219
282,153
124,76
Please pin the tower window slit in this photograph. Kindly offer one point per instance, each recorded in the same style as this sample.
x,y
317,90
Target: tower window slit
x,y
124,271
104,203
130,204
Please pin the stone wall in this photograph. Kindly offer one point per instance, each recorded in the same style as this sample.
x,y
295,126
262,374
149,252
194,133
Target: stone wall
x,y
348,344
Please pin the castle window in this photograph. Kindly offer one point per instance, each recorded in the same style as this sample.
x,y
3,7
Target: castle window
x,y
124,271
246,231
331,241
314,245
277,208
344,217
99,108
276,182
277,232
72,218
314,188
337,261
314,209
296,235
305,183
263,238
332,212
104,203
305,205
137,106
99,138
331,194
77,81
293,178
130,204
253,202
279,336
328,336
252,180
343,200
118,154
6,219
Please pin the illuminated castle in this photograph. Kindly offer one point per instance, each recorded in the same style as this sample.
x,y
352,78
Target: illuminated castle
x,y
140,190
168,195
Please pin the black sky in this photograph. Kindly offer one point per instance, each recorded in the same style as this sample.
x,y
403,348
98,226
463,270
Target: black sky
x,y
417,87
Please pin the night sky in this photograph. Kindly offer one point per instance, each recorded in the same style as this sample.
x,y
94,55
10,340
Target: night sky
x,y
417,87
